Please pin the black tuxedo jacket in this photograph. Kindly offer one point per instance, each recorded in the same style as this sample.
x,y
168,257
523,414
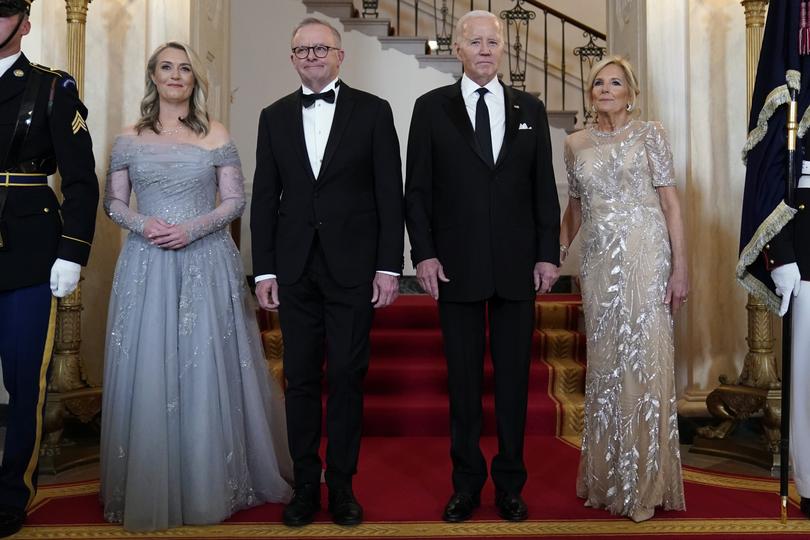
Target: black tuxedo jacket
x,y
355,204
37,229
487,226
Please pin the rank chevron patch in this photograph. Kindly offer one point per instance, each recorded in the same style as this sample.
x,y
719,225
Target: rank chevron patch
x,y
78,123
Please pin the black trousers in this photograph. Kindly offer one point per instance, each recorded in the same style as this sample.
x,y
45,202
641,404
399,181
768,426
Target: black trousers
x,y
319,316
27,323
511,324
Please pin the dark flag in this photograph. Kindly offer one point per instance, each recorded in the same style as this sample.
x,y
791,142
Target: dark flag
x,y
764,213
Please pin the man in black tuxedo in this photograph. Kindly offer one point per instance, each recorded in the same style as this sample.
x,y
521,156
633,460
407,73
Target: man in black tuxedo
x,y
328,233
483,220
42,244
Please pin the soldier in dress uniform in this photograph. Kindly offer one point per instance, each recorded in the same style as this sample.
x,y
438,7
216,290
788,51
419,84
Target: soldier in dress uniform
x,y
42,243
787,256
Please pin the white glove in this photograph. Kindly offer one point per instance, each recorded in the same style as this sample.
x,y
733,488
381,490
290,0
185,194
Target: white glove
x,y
64,277
787,280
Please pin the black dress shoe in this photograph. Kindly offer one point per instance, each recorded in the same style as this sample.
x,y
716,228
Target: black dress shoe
x,y
11,520
344,507
804,506
511,506
460,506
304,505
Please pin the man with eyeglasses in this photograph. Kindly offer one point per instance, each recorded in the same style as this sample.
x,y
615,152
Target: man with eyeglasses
x,y
327,239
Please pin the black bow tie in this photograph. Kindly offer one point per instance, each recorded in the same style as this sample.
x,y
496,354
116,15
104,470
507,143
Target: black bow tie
x,y
308,100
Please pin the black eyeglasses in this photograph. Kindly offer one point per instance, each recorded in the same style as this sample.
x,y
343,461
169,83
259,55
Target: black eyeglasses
x,y
320,51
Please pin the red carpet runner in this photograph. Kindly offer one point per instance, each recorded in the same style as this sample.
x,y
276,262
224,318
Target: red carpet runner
x,y
406,385
404,476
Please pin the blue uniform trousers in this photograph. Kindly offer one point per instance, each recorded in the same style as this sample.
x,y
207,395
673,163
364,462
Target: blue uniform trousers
x,y
27,324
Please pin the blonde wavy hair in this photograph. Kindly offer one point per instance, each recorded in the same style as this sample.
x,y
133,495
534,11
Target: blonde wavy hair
x,y
197,119
629,76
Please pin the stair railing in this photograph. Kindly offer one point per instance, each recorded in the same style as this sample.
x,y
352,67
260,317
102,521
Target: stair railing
x,y
521,44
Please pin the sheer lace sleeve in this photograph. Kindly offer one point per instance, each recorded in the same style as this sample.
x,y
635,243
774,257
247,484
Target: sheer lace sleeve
x,y
231,187
659,155
118,189
571,171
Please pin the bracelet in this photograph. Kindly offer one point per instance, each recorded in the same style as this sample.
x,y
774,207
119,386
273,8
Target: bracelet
x,y
563,249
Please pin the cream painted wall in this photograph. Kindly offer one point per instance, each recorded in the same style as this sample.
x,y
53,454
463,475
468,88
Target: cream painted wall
x,y
261,73
717,118
627,36
210,38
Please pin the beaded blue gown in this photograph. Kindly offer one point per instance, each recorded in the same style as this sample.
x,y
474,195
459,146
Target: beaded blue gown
x,y
193,428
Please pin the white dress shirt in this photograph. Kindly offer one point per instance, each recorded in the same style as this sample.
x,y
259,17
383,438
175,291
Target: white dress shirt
x,y
7,62
317,125
495,103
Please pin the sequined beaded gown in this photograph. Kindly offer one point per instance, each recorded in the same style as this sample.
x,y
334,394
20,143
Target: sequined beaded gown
x,y
630,461
193,429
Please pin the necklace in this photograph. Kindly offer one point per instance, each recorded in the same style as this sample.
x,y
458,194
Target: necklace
x,y
172,131
603,133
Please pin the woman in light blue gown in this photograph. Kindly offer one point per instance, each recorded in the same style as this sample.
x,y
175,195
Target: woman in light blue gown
x,y
193,428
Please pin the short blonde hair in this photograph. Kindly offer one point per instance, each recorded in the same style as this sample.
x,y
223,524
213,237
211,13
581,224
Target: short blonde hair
x,y
197,119
627,68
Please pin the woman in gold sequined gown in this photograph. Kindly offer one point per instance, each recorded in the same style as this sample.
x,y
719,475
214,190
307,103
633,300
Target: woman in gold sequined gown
x,y
633,270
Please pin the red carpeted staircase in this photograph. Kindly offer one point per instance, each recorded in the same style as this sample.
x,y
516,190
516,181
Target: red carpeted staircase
x,y
406,385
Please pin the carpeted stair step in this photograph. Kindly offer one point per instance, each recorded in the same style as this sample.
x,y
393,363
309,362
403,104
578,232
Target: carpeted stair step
x,y
564,353
553,311
559,312
424,376
562,344
400,415
394,344
409,311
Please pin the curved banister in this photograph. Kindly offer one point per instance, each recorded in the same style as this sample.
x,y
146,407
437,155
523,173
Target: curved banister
x,y
567,19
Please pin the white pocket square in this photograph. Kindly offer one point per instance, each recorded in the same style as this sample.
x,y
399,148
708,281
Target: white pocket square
x,y
524,126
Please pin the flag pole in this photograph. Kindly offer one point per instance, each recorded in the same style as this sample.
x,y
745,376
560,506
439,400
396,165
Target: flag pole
x,y
787,322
